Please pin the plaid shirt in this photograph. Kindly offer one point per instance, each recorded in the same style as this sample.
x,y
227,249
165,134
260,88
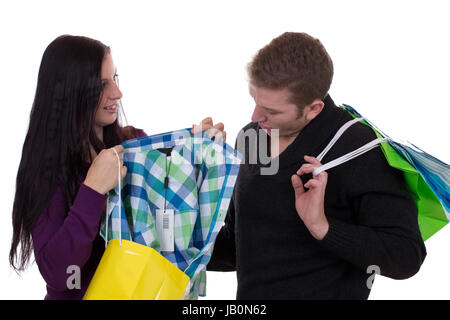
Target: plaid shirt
x,y
201,180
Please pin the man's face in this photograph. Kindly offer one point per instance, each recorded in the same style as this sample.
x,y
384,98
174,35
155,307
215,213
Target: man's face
x,y
274,111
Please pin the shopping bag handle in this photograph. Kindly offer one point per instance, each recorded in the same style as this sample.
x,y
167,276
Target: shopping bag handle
x,y
120,204
337,136
349,156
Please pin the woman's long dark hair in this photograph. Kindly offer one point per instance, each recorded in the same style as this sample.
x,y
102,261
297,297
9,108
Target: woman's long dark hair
x,y
56,148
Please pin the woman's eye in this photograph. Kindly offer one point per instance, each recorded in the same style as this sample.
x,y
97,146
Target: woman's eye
x,y
107,82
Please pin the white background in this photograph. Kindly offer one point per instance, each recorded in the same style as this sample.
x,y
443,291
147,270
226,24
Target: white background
x,y
180,61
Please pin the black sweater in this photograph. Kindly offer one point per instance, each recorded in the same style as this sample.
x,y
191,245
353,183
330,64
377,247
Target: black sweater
x,y
372,218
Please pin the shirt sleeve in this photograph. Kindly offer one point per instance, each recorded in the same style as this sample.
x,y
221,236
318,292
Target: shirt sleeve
x,y
62,239
385,231
224,254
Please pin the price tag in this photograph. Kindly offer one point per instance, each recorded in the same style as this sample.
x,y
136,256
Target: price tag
x,y
164,229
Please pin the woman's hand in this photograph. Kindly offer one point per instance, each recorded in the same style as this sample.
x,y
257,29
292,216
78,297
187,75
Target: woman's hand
x,y
217,131
102,174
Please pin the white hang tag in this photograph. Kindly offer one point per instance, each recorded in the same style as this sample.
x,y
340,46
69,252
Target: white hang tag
x,y
164,229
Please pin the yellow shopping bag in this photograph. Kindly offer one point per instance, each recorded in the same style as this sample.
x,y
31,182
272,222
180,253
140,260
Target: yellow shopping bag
x,y
131,271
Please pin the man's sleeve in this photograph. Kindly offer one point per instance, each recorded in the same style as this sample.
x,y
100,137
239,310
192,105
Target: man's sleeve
x,y
385,231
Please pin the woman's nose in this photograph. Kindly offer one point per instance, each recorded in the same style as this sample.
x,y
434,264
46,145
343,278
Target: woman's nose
x,y
116,94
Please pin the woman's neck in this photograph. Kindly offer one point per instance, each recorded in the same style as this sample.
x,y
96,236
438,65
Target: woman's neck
x,y
99,132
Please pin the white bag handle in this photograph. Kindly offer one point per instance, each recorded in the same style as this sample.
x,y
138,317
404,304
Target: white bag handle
x,y
337,136
120,205
348,156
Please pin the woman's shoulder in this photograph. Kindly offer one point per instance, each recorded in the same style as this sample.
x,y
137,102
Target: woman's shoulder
x,y
132,132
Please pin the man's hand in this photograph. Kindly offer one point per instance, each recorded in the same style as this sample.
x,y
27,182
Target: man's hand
x,y
217,131
310,204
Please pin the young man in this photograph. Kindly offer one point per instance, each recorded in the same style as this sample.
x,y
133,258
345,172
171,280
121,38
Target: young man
x,y
291,236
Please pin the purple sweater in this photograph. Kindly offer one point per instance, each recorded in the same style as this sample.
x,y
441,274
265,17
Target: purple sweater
x,y
67,237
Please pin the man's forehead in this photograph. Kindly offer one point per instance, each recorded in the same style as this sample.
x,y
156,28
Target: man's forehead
x,y
270,97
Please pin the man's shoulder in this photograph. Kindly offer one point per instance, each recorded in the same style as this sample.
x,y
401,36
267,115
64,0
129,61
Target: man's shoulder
x,y
361,133
367,166
352,139
355,136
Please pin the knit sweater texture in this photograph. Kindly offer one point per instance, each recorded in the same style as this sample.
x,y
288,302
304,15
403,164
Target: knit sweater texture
x,y
372,220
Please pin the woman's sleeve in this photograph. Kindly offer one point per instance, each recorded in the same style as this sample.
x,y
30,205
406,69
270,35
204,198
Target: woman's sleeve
x,y
133,132
141,133
62,239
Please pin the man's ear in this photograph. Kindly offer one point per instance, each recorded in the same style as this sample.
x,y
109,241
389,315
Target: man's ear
x,y
312,110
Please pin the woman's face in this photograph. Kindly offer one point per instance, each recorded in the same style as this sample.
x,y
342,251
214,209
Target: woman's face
x,y
106,112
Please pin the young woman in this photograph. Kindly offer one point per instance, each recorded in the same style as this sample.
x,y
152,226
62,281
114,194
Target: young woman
x,y
68,165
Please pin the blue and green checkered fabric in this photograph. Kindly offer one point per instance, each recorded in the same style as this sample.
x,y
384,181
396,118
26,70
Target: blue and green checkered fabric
x,y
201,180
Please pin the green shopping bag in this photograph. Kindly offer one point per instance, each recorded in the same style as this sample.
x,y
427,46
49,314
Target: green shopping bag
x,y
431,214
427,178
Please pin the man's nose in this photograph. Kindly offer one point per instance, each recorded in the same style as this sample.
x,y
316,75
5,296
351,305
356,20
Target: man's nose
x,y
258,115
